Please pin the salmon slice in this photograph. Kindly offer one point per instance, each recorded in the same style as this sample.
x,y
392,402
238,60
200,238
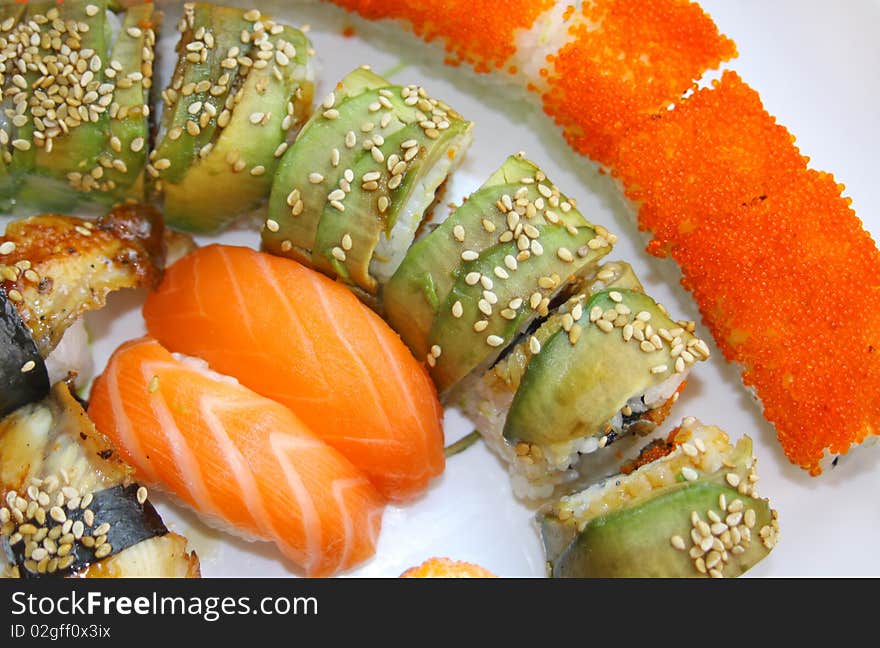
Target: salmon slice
x,y
299,338
236,457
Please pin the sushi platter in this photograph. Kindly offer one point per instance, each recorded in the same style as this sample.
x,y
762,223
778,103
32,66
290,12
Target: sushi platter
x,y
359,251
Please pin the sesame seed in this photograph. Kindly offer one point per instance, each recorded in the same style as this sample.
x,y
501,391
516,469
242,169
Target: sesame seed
x,y
480,325
457,309
272,225
469,255
494,341
659,369
316,178
733,479
91,10
103,551
338,253
678,542
28,366
605,325
534,345
689,474
383,204
565,254
7,248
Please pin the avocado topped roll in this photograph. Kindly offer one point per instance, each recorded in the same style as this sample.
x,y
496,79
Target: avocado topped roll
x,y
352,190
687,507
75,101
466,290
607,363
69,507
10,15
242,85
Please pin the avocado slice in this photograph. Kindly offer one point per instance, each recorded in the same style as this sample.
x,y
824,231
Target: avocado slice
x,y
612,274
10,15
235,173
210,57
488,271
78,131
125,154
76,148
385,151
677,517
589,366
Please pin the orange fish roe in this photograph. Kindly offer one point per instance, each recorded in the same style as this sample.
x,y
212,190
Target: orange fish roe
x,y
478,33
790,286
764,244
628,61
718,150
446,568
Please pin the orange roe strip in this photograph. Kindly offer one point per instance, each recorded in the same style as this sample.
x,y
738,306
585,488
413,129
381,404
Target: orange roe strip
x,y
481,34
719,149
628,61
446,568
786,278
655,450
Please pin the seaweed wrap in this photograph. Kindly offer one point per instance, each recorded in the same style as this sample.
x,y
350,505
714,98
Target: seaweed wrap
x,y
242,85
607,363
353,189
687,507
466,290
23,375
75,102
69,507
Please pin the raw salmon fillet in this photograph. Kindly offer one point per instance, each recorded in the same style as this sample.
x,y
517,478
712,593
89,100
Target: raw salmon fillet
x,y
236,457
299,338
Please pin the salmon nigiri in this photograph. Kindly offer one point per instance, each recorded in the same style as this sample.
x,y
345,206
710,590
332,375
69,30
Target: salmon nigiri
x,y
236,457
297,337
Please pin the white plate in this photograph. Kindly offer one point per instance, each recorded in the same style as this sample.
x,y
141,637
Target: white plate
x,y
816,69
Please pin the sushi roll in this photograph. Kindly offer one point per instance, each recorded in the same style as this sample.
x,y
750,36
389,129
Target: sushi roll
x,y
52,270
351,192
305,341
466,290
722,187
246,463
71,508
607,363
242,85
686,508
81,139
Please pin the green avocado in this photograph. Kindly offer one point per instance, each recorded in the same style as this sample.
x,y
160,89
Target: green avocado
x,y
10,15
210,56
580,380
79,150
298,197
639,540
635,542
367,158
236,173
473,284
84,156
125,155
612,274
